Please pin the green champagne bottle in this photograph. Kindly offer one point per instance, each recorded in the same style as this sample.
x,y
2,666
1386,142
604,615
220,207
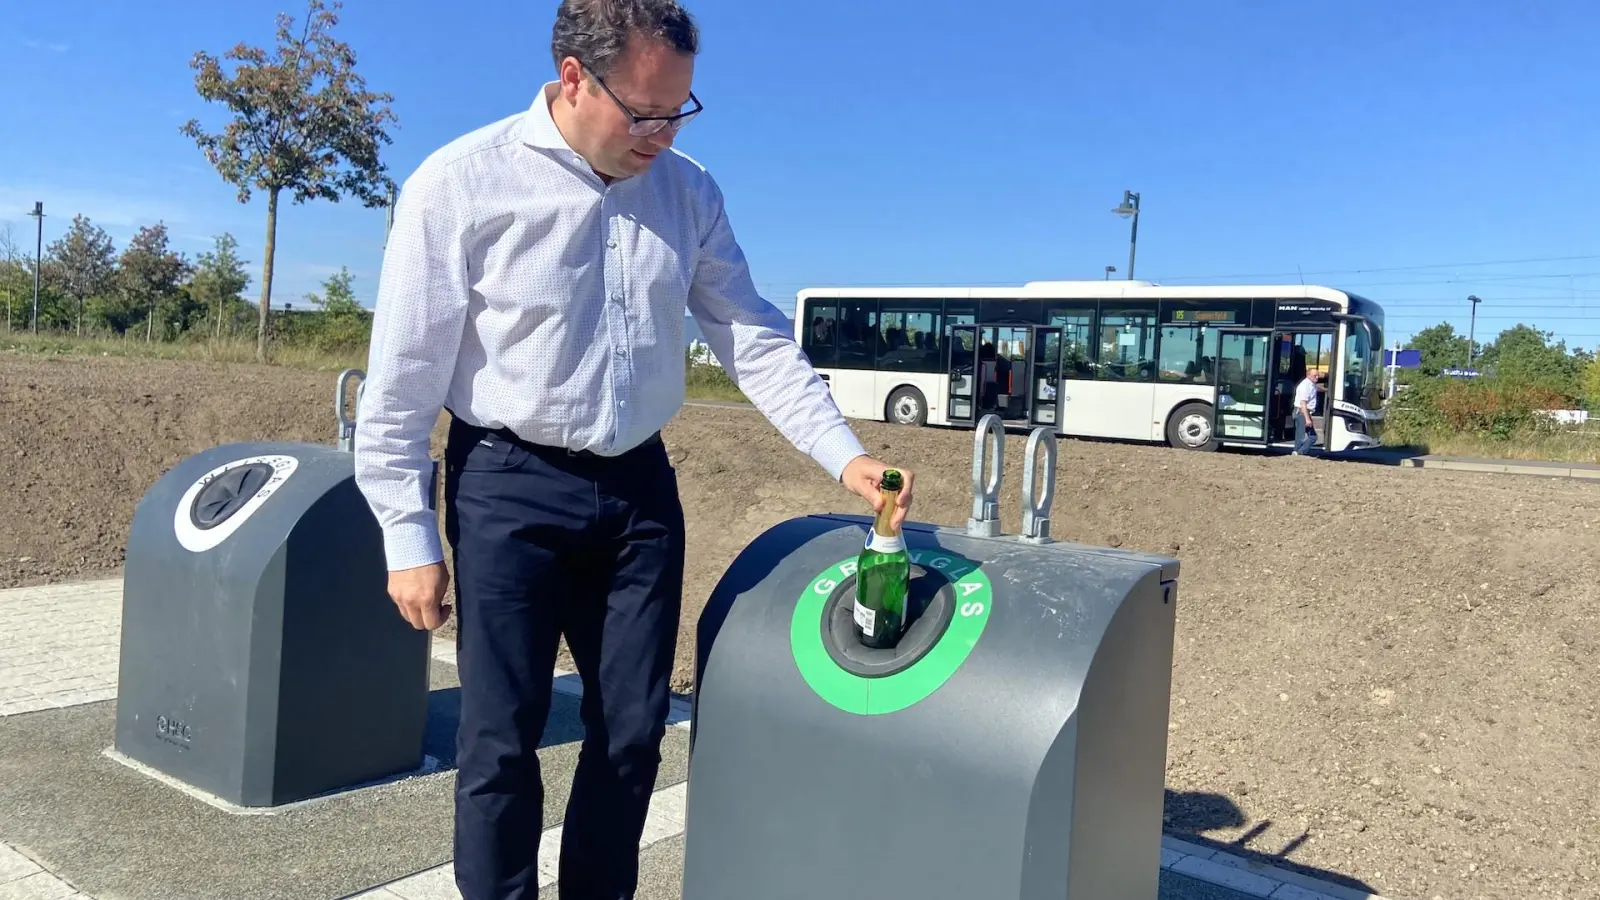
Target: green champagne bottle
x,y
883,575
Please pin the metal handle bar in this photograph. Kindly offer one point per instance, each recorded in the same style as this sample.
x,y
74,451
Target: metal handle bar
x,y
347,424
1037,498
985,519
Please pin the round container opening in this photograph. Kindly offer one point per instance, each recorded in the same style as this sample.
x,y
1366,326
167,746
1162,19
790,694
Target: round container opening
x,y
930,607
226,493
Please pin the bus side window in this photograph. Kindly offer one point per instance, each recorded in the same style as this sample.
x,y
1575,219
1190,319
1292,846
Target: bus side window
x,y
858,334
821,334
1077,341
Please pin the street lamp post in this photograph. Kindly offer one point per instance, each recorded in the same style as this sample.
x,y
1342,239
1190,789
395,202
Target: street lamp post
x,y
388,214
38,257
1472,326
1130,207
1109,270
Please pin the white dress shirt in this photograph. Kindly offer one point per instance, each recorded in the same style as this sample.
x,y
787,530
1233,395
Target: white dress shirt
x,y
521,291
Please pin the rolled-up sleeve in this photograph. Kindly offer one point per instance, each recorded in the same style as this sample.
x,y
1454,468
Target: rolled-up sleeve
x,y
416,334
755,344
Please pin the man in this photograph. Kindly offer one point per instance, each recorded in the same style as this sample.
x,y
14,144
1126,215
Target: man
x,y
1305,403
534,285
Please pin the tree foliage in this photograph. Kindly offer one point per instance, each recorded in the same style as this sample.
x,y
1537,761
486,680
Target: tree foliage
x,y
303,122
219,278
1523,374
341,322
150,277
16,282
1525,355
1440,347
81,264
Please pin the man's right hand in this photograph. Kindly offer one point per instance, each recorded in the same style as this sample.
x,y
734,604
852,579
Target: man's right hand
x,y
419,593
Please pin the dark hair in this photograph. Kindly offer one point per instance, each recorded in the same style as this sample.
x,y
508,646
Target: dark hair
x,y
597,31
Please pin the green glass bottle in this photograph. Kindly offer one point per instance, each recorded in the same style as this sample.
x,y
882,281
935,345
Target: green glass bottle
x,y
883,575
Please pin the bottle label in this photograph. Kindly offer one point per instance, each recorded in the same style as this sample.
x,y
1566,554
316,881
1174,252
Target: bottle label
x,y
884,544
866,619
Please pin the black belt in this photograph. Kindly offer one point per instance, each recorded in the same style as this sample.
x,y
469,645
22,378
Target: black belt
x,y
509,435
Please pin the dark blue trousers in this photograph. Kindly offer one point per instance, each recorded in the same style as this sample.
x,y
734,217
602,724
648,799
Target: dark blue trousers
x,y
547,543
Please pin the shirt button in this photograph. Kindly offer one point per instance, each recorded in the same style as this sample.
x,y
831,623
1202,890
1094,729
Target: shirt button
x,y
612,243
622,403
617,298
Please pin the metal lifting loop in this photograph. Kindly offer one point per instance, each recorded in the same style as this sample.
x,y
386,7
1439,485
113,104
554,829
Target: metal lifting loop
x,y
347,424
1037,497
985,520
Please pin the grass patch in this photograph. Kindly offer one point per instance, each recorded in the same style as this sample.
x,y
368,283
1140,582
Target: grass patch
x,y
1573,446
238,350
701,383
711,383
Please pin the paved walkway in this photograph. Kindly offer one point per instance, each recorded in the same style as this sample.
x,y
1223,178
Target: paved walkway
x,y
74,823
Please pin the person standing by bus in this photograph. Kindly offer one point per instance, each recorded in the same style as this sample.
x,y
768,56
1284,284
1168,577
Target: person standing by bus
x,y
1305,405
534,285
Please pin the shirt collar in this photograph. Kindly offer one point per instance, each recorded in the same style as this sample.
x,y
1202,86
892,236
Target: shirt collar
x,y
539,129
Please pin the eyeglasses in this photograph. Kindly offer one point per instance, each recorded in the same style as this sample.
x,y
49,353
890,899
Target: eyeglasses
x,y
643,126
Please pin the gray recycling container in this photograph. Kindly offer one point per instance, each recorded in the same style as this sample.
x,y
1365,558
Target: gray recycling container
x,y
262,660
1013,744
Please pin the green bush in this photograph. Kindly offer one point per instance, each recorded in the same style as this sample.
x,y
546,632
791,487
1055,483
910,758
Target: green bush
x,y
1492,408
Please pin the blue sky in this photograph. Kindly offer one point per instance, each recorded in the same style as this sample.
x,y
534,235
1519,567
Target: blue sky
x,y
1415,152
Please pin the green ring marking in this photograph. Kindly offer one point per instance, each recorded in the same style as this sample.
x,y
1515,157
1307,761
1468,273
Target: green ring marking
x,y
875,696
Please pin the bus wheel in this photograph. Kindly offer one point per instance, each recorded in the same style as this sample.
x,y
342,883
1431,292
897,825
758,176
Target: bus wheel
x,y
1190,428
907,406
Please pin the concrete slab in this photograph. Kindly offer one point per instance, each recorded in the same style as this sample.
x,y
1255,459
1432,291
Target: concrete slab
x,y
111,831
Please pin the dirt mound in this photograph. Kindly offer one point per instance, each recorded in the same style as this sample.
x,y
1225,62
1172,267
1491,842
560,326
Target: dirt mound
x,y
1389,673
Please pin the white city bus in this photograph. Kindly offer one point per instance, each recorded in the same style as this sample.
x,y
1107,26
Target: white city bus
x,y
1198,367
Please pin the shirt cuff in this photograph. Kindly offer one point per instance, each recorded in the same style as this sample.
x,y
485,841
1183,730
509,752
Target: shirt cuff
x,y
408,545
835,448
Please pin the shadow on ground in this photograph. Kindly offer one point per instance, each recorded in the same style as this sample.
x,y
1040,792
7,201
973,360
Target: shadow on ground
x,y
1190,814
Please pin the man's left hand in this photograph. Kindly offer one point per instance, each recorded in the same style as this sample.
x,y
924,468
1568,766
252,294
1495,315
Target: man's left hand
x,y
863,476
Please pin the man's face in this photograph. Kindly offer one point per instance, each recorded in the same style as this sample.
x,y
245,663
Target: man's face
x,y
650,79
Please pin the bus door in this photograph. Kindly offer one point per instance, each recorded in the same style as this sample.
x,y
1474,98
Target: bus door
x,y
962,366
1044,403
1294,352
1242,382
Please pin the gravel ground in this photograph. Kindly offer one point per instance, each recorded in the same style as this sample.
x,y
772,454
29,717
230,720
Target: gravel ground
x,y
1388,674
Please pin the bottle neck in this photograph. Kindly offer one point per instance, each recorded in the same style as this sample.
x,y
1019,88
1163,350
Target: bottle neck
x,y
883,524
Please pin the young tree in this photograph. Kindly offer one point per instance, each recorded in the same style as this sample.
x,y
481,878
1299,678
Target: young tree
x,y
342,323
219,278
303,122
151,275
83,263
338,297
12,271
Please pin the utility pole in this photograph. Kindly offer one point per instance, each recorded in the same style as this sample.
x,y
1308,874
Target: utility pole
x,y
1472,326
38,259
1130,207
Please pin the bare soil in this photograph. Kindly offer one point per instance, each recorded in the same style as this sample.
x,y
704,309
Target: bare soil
x,y
1388,674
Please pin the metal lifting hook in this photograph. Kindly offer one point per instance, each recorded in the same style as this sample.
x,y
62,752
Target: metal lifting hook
x,y
985,519
347,424
1037,498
